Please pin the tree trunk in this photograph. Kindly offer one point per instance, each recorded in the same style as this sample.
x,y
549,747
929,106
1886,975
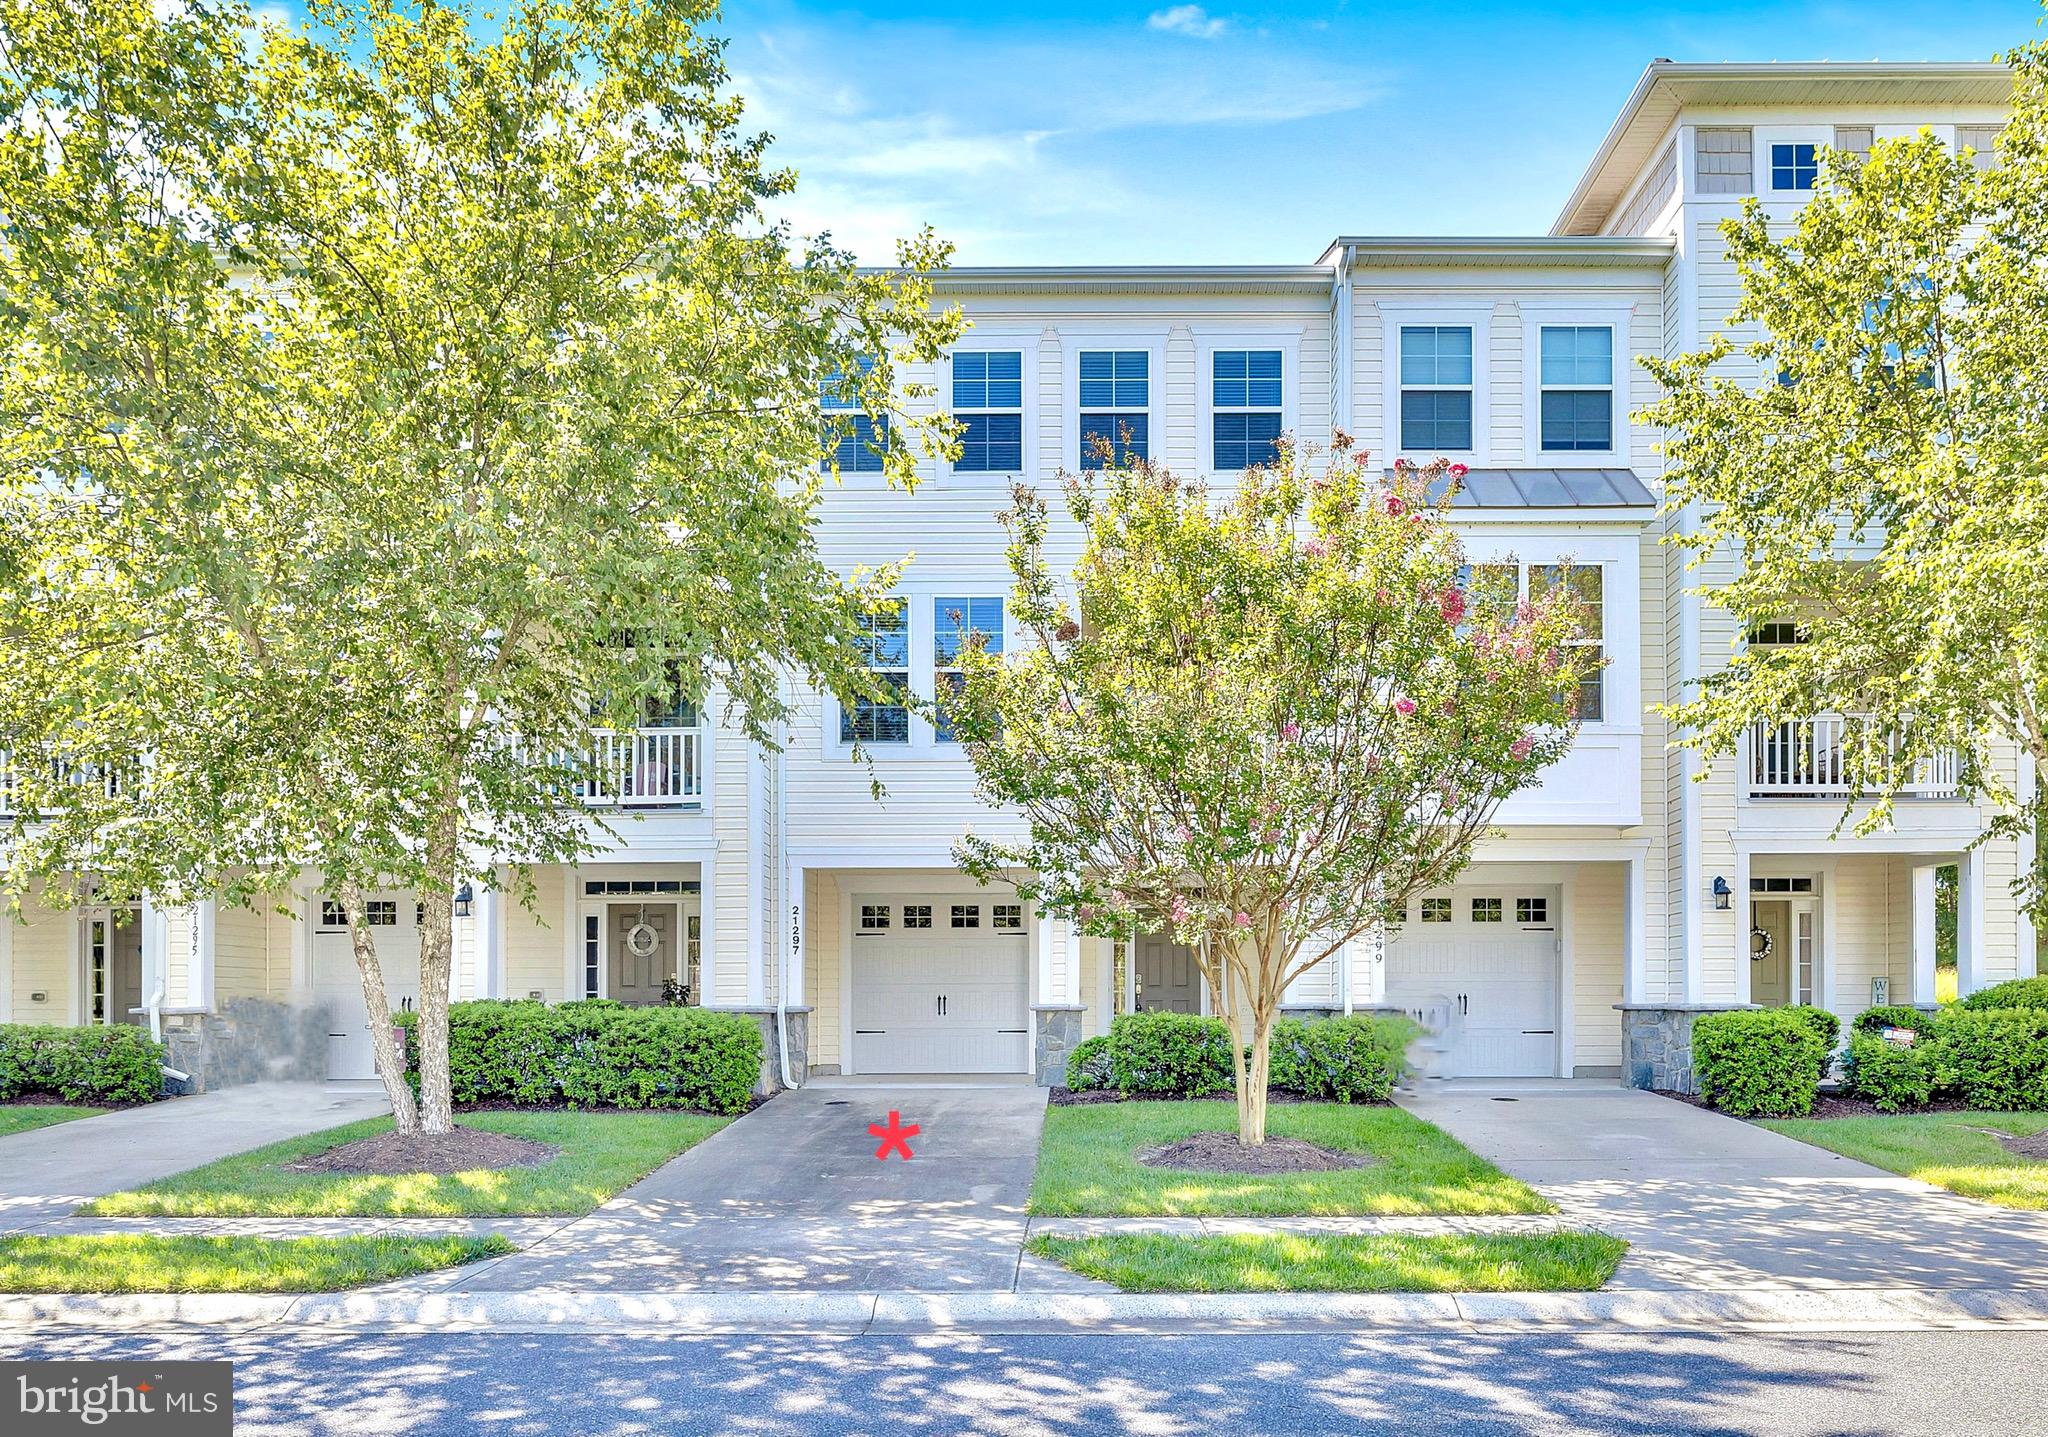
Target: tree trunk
x,y
390,1058
437,955
1252,1076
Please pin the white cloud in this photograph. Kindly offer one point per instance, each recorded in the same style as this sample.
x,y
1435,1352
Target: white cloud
x,y
1190,20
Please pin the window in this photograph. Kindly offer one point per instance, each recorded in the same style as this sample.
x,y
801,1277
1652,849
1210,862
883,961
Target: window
x,y
1436,910
1982,143
917,915
967,915
956,622
874,917
1532,910
988,399
593,954
1245,397
885,653
1575,370
332,915
620,887
381,913
1794,167
1781,885
1436,387
419,915
853,440
1583,582
1116,403
1776,633
1486,910
1008,916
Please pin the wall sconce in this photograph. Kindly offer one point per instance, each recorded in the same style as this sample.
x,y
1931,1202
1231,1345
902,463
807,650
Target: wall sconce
x,y
1723,894
465,900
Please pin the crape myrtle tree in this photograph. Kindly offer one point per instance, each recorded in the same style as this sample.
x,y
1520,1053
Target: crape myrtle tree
x,y
383,404
1261,720
1870,464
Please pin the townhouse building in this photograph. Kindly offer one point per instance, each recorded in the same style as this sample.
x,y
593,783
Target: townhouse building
x,y
1618,899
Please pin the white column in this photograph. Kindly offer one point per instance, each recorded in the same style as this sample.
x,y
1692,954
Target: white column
x,y
7,968
199,967
1970,954
707,931
1048,985
757,876
490,938
1745,919
1635,971
795,882
1071,938
1920,987
156,953
572,934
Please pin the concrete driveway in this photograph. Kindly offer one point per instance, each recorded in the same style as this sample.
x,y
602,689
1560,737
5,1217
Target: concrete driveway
x,y
46,1172
1712,1202
792,1197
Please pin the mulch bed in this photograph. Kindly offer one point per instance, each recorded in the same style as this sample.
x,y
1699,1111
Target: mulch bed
x,y
2034,1147
1222,1153
495,1106
1827,1105
393,1154
1073,1098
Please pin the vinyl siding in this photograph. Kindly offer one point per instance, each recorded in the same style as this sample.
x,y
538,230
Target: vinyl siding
x,y
534,939
44,943
1599,918
823,940
240,960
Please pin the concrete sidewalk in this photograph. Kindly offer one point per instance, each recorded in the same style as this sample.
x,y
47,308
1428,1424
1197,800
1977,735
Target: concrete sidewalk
x,y
1709,1202
46,1172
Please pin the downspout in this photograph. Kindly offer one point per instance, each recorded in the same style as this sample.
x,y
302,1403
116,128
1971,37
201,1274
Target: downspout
x,y
782,863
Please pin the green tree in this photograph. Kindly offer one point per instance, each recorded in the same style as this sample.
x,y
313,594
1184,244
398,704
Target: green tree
x,y
1869,466
1262,721
382,404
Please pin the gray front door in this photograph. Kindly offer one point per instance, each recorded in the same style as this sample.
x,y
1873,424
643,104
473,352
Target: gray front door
x,y
124,972
1168,980
637,975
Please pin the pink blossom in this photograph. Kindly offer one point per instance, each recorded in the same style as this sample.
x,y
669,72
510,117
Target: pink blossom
x,y
1450,707
1181,911
1404,706
1316,549
1242,920
1182,832
1521,748
1381,595
1272,835
1451,604
1458,471
1290,731
1393,503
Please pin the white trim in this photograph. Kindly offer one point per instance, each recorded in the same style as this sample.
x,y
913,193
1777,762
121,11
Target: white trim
x,y
572,932
1075,340
1567,975
1285,338
7,926
1635,954
1616,319
1923,944
923,744
1478,316
1742,910
757,876
1970,951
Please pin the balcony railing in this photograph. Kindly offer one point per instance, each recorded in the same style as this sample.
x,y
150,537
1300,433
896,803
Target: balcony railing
x,y
82,775
1809,758
646,768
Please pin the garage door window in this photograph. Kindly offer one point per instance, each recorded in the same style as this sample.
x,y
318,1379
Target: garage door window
x,y
381,913
1532,910
1436,910
331,914
917,915
1009,916
874,917
967,915
1486,910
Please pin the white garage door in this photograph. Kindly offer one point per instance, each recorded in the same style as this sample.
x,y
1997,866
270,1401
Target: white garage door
x,y
940,985
1483,962
337,984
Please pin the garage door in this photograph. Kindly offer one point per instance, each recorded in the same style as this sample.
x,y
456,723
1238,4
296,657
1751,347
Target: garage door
x,y
940,985
1483,962
336,983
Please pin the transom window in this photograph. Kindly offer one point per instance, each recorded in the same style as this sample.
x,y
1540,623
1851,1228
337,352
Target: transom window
x,y
1486,910
885,653
1006,915
1576,374
874,917
988,400
1436,910
1436,387
1584,583
917,915
381,913
967,915
1244,394
1794,167
955,624
1781,885
854,440
1532,910
1116,398
621,887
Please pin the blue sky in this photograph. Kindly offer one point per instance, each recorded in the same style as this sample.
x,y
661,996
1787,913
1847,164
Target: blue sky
x,y
1163,132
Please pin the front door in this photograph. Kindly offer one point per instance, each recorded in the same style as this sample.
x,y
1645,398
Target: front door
x,y
643,952
1770,954
1168,979
114,956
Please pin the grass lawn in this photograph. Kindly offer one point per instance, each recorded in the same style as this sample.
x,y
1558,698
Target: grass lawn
x,y
21,1117
1937,1148
1088,1167
601,1153
122,1262
1287,1262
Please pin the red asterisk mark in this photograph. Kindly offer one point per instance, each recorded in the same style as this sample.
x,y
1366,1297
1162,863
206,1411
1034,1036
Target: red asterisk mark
x,y
144,1387
895,1137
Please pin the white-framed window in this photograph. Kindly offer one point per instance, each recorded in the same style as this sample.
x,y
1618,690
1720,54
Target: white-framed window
x,y
956,622
853,440
1795,165
1532,910
917,915
1006,917
1115,405
1585,583
1246,394
1437,388
1487,910
874,917
1436,910
988,400
1575,378
332,914
1777,634
967,915
593,954
885,652
381,913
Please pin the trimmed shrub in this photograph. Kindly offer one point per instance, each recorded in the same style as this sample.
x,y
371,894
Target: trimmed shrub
x,y
1893,1076
1344,1060
1875,1020
114,1063
2019,993
1760,1062
1826,1026
1089,1066
1996,1059
1178,1053
596,1053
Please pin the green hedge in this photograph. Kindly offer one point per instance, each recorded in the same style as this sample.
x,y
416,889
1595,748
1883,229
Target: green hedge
x,y
1089,1067
1893,1076
1344,1060
1759,1062
1178,1053
596,1054
1875,1020
114,1063
1826,1026
1995,1059
2019,993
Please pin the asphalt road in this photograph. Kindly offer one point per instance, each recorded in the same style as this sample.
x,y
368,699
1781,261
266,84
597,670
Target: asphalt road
x,y
1983,1383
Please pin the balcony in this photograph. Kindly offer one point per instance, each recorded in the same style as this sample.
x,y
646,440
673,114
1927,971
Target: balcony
x,y
108,781
656,767
1809,758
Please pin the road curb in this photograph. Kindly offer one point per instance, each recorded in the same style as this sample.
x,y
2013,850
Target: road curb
x,y
1832,1309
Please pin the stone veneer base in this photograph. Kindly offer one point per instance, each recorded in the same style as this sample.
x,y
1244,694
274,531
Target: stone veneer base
x,y
1057,1032
1656,1044
250,1040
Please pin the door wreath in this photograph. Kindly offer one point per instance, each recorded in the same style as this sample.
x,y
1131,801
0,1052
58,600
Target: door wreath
x,y
1760,945
642,940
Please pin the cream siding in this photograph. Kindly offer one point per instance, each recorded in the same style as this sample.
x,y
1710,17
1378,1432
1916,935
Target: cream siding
x,y
44,943
1599,929
536,940
240,959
